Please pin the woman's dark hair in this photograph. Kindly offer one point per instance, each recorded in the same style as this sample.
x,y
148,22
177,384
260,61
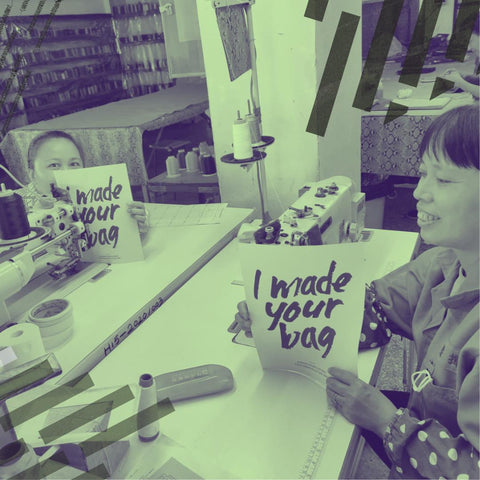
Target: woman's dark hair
x,y
455,134
39,140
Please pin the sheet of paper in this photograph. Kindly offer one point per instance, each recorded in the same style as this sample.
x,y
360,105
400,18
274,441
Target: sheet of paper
x,y
167,215
101,195
306,305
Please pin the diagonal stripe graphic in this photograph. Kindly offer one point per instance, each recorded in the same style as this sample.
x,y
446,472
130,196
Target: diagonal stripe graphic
x,y
316,9
377,54
112,435
99,471
37,373
333,73
46,401
462,30
418,48
440,86
395,110
87,414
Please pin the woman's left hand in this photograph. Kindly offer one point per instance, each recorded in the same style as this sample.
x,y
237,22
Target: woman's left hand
x,y
359,402
138,211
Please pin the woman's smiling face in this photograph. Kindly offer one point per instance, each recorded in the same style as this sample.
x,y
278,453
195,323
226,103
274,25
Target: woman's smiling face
x,y
448,203
53,154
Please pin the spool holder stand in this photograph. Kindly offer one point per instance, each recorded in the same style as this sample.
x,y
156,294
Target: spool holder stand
x,y
258,155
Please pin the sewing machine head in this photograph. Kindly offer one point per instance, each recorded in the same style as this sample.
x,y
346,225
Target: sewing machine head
x,y
52,249
326,212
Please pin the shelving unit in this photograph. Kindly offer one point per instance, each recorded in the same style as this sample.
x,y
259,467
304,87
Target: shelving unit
x,y
67,65
12,112
141,43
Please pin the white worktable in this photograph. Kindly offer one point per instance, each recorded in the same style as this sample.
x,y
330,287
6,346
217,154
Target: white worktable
x,y
264,427
111,304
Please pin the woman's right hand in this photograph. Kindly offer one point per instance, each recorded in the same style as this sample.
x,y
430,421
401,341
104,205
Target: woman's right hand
x,y
242,317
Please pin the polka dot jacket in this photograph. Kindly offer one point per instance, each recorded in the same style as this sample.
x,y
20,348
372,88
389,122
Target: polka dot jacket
x,y
437,436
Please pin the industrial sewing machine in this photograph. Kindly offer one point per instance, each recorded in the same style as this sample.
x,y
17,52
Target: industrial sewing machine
x,y
326,212
36,266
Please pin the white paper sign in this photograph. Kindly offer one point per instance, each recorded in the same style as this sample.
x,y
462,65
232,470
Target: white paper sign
x,y
100,195
306,305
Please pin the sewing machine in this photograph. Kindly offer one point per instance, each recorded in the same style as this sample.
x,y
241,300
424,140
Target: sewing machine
x,y
38,265
326,212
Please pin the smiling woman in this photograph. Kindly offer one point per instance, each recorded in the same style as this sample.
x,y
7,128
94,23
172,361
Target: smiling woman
x,y
56,150
434,431
448,190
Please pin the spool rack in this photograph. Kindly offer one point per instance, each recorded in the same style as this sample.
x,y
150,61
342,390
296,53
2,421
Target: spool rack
x,y
258,155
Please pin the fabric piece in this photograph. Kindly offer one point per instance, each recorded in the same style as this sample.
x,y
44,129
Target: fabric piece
x,y
392,149
375,332
233,30
400,400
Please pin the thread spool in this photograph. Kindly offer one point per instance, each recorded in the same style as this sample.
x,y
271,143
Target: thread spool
x,y
242,143
254,125
173,167
13,216
147,421
54,318
208,165
181,158
203,148
20,343
191,161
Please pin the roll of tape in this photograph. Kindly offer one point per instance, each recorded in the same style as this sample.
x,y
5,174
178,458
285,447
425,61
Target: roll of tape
x,y
55,321
20,344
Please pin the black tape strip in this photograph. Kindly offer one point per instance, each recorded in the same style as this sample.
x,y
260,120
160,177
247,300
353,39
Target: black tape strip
x,y
418,48
377,54
333,73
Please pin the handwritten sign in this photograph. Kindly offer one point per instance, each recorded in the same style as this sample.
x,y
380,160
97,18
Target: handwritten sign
x,y
100,195
306,305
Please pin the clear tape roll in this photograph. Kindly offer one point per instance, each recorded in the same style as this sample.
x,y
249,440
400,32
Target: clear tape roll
x,y
20,344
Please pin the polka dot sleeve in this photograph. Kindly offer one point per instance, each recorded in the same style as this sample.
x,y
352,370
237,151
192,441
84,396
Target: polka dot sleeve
x,y
425,449
375,331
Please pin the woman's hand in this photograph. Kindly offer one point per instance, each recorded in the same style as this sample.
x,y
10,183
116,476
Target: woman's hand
x,y
243,318
138,211
359,402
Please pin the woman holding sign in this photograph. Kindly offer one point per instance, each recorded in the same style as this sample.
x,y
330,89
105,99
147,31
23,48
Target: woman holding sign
x,y
432,301
57,150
